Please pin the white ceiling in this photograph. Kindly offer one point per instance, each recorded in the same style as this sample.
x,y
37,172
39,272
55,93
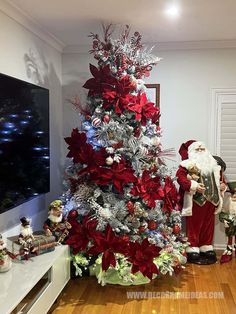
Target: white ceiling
x,y
71,21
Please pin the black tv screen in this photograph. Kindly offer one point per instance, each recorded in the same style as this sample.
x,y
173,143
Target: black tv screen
x,y
24,142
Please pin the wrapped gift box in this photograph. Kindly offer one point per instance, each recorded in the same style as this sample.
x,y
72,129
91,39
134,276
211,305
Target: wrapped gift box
x,y
41,244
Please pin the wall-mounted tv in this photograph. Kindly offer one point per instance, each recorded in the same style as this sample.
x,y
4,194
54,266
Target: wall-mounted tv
x,y
24,142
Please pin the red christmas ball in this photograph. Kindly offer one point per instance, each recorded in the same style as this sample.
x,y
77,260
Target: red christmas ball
x,y
158,129
130,206
137,132
141,229
106,118
176,229
73,214
88,117
96,122
125,238
152,225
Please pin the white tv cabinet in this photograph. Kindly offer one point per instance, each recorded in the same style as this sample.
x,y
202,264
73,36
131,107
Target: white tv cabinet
x,y
32,286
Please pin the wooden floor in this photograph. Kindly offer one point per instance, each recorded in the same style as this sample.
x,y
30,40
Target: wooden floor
x,y
215,286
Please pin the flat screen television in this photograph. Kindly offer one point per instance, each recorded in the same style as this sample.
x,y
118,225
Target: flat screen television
x,y
24,142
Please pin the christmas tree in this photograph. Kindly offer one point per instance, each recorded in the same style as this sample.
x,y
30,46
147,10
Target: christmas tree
x,y
121,199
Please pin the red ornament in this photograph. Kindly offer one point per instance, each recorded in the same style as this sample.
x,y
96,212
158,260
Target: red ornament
x,y
88,117
130,206
96,122
137,132
158,129
73,214
106,118
141,229
152,225
176,229
125,238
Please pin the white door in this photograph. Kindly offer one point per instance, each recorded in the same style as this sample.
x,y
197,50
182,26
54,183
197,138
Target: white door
x,y
223,128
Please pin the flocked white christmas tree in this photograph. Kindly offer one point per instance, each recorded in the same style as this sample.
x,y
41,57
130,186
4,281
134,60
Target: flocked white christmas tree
x,y
123,203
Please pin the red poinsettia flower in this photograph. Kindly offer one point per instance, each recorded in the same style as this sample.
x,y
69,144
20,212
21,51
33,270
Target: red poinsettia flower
x,y
101,78
108,244
81,233
141,256
79,150
170,195
94,160
144,109
119,174
118,96
150,112
137,106
83,153
148,188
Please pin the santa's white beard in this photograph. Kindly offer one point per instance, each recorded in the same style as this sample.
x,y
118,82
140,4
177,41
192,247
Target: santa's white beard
x,y
55,219
26,231
204,161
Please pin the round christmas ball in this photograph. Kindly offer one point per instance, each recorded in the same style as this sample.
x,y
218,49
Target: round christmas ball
x,y
96,122
125,237
109,161
130,206
141,229
176,229
73,214
106,118
137,132
88,117
152,225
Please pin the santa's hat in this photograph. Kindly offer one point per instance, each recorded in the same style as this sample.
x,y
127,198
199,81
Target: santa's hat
x,y
183,151
25,221
189,147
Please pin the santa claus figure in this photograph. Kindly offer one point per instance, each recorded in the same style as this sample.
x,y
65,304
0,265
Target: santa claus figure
x,y
201,198
56,224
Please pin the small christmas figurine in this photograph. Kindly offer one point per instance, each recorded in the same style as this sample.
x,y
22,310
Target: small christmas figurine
x,y
228,217
5,256
56,224
26,238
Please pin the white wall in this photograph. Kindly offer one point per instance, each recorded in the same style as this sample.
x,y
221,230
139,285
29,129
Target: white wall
x,y
25,56
186,78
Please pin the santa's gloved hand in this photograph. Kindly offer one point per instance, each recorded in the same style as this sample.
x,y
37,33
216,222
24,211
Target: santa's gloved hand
x,y
201,188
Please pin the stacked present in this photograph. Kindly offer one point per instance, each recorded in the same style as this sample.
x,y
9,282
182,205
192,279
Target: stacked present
x,y
40,244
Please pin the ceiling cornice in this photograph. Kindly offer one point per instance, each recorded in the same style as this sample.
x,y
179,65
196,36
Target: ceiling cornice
x,y
14,12
162,46
17,14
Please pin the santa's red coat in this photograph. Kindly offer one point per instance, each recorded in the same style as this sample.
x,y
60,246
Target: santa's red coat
x,y
200,225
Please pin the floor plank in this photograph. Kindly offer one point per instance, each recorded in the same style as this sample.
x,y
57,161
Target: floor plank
x,y
214,285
